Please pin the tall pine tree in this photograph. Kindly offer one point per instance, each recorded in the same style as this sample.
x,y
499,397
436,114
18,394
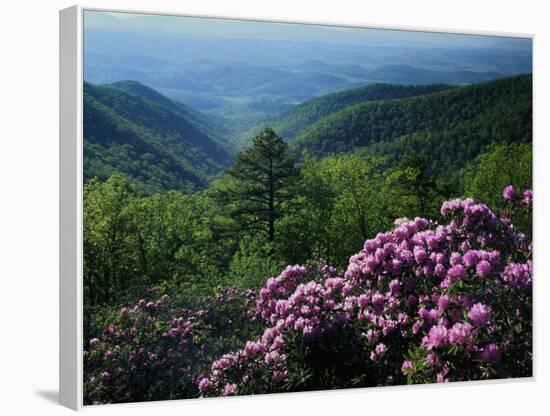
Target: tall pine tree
x,y
263,179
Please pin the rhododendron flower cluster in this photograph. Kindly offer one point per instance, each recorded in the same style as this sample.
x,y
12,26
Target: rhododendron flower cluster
x,y
156,349
426,302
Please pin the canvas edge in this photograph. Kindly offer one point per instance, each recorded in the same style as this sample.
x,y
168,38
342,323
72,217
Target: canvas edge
x,y
70,208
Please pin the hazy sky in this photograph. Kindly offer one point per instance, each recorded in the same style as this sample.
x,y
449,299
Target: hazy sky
x,y
210,27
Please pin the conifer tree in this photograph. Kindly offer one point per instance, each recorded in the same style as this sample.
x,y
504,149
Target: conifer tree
x,y
263,179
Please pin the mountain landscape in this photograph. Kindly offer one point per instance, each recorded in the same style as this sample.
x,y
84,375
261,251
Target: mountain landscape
x,y
165,144
274,207
248,72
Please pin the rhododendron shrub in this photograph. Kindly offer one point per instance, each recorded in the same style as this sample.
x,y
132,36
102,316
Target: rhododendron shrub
x,y
155,350
426,302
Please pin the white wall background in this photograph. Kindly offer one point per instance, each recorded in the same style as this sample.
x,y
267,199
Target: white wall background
x,y
29,205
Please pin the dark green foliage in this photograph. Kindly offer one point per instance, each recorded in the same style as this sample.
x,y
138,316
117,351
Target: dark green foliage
x,y
304,115
261,184
448,128
154,145
342,200
253,261
410,178
209,125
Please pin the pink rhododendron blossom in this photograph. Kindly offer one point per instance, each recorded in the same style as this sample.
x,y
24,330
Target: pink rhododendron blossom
x,y
460,333
479,314
204,384
229,389
509,193
378,352
491,353
483,268
437,336
518,275
527,198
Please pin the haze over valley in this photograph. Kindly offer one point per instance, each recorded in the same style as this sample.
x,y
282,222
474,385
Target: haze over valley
x,y
246,74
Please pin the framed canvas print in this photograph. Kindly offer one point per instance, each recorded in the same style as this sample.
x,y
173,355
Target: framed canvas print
x,y
253,207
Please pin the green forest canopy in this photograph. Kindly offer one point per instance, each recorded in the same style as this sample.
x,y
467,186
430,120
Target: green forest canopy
x,y
155,214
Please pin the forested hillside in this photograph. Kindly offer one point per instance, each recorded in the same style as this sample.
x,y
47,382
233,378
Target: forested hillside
x,y
151,143
163,144
449,128
304,115
208,124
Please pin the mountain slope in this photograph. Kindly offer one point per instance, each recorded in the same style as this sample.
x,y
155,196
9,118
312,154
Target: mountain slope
x,y
207,124
448,127
153,144
305,114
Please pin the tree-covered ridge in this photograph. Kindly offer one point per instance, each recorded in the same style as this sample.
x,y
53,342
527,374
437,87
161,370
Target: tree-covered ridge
x,y
448,127
304,115
129,149
209,125
151,143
